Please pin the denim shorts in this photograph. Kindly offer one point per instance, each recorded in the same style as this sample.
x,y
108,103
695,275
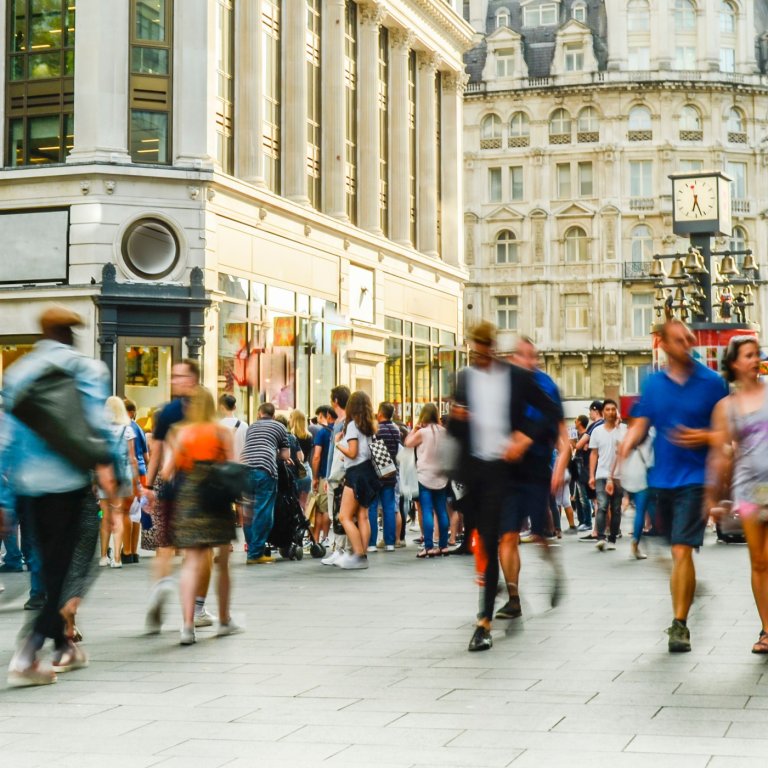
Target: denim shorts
x,y
678,515
525,500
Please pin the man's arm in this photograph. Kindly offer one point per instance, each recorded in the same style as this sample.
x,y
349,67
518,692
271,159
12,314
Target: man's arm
x,y
592,467
635,435
563,457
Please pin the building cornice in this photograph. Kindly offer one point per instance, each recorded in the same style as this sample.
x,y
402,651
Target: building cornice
x,y
458,31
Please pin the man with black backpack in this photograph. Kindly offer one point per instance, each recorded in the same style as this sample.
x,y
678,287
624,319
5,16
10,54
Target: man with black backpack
x,y
53,484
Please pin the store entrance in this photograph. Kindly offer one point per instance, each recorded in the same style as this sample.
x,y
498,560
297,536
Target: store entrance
x,y
144,372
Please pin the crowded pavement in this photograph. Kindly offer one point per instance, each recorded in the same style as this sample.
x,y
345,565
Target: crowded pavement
x,y
371,668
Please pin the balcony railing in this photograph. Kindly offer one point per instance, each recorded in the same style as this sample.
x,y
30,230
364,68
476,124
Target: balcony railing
x,y
691,135
734,137
587,137
490,143
637,270
740,205
642,135
641,203
519,141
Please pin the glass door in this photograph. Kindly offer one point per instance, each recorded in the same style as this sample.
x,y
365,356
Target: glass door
x,y
144,372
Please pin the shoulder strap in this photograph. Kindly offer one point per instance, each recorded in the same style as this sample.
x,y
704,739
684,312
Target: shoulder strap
x,y
237,425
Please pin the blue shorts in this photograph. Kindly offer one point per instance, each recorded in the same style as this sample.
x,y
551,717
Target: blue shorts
x,y
525,500
678,515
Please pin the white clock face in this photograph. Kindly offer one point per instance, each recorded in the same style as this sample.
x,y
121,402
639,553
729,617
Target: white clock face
x,y
695,199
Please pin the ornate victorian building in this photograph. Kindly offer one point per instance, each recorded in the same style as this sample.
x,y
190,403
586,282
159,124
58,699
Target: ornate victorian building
x,y
576,112
274,186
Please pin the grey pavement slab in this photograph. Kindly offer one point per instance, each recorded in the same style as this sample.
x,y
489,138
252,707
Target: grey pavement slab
x,y
370,668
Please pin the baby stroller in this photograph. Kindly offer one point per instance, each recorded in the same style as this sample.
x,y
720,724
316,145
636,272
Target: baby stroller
x,y
290,526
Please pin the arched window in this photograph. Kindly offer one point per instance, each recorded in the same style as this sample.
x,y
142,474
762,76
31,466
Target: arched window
x,y
579,12
737,127
640,119
727,18
638,16
738,242
576,245
642,244
519,125
502,18
506,247
690,119
490,128
560,127
685,16
588,120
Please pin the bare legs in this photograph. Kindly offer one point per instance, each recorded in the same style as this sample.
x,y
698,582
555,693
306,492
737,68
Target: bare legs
x,y
757,541
354,519
682,582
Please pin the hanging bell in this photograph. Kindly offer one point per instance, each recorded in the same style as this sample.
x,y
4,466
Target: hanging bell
x,y
701,267
679,294
728,266
659,294
657,269
749,263
747,291
692,260
678,271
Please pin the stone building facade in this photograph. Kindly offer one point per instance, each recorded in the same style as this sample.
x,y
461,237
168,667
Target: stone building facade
x,y
576,112
273,186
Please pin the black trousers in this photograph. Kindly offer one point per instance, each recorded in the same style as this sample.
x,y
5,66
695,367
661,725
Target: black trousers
x,y
56,521
487,487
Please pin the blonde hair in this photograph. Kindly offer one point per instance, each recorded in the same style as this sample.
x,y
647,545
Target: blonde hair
x,y
298,423
201,407
115,411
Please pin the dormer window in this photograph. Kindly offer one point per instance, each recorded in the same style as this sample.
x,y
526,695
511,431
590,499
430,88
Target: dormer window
x,y
579,12
544,15
505,62
574,57
502,18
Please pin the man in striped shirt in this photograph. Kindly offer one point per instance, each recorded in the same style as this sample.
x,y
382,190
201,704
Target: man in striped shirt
x,y
265,441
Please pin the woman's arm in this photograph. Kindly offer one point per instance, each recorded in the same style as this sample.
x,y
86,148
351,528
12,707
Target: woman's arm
x,y
228,443
412,439
719,457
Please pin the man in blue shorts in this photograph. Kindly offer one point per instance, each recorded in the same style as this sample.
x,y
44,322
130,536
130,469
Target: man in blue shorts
x,y
678,401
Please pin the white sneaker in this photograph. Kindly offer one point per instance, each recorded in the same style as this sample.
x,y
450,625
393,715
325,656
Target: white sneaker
x,y
203,619
350,562
187,636
609,546
230,628
333,557
113,564
103,562
600,545
153,622
389,548
373,549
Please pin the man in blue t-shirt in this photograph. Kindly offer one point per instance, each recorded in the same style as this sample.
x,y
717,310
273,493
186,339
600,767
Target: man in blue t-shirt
x,y
320,450
678,402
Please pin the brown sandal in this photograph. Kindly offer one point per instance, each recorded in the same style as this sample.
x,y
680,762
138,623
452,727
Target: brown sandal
x,y
761,646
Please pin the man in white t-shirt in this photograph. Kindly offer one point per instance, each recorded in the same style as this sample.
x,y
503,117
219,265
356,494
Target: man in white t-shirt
x,y
229,418
603,446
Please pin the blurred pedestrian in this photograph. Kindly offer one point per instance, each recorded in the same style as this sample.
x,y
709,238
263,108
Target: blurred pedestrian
x,y
53,489
142,462
229,418
387,499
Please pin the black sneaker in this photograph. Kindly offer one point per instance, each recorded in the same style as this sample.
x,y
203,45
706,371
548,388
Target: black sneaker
x,y
481,640
511,610
679,638
35,603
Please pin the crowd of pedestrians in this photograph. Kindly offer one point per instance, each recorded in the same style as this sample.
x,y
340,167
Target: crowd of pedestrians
x,y
499,470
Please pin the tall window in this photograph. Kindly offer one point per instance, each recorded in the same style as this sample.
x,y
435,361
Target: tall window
x,y
560,127
40,81
563,181
519,125
586,188
579,12
577,311
588,120
225,64
506,313
642,314
727,59
502,18
737,127
506,247
685,57
638,37
639,57
727,18
640,178
574,380
270,86
494,185
350,107
384,128
685,16
151,89
516,191
738,242
690,124
490,131
642,244
505,62
640,119
576,245
738,172
574,57
314,104
412,141
638,16
635,375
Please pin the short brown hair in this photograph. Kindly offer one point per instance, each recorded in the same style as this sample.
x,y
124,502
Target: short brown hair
x,y
194,367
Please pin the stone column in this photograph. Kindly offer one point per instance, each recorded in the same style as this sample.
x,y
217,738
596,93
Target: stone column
x,y
333,157
452,166
399,142
427,154
249,104
708,34
294,150
617,34
369,133
101,82
662,36
194,122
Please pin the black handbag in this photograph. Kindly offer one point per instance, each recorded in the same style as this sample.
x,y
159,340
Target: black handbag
x,y
52,407
227,481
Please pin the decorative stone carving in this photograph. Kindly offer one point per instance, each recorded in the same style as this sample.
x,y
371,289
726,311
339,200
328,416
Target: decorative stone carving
x,y
371,13
85,187
109,186
401,39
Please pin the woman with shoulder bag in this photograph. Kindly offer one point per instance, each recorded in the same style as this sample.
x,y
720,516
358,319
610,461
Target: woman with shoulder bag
x,y
361,484
297,425
426,438
740,424
197,445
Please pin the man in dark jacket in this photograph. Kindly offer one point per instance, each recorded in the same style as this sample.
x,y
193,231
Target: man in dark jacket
x,y
489,419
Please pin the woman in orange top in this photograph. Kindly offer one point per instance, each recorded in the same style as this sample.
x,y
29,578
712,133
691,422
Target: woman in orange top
x,y
198,443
